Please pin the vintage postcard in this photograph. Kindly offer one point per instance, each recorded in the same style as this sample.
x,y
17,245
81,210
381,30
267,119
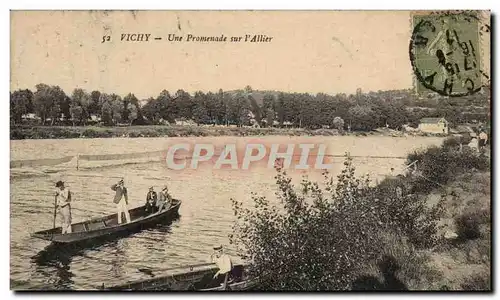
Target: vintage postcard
x,y
250,150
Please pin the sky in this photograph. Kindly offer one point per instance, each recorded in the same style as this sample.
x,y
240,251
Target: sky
x,y
330,52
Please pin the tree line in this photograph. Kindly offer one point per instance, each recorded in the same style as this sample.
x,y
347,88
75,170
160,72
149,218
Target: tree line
x,y
359,111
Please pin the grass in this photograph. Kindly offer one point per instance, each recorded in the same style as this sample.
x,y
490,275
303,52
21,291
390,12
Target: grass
x,y
464,261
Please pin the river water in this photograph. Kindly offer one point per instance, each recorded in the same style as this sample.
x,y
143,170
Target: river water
x,y
205,214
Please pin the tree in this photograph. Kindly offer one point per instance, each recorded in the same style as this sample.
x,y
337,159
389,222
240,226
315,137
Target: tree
x,y
280,109
106,109
338,123
268,109
80,106
132,113
362,118
76,114
130,105
21,103
255,109
183,105
151,110
324,238
200,111
47,101
116,108
95,108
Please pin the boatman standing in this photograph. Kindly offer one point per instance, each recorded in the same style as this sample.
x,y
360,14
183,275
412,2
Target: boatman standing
x,y
63,202
121,200
223,262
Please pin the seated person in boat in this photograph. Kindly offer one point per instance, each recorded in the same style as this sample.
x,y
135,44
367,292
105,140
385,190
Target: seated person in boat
x,y
223,262
151,199
165,200
63,202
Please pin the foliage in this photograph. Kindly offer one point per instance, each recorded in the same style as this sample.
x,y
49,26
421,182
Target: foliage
x,y
361,111
468,225
338,123
319,239
21,102
408,213
48,101
438,165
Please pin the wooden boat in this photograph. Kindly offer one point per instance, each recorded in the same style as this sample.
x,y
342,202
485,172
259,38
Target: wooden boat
x,y
191,278
106,227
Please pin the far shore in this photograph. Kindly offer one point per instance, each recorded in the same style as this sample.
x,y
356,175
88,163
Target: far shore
x,y
76,132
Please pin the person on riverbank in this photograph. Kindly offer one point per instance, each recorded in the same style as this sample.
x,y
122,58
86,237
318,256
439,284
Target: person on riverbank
x,y
483,139
63,202
223,262
165,200
151,199
121,200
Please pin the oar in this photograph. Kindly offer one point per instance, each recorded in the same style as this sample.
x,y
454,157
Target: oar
x,y
55,210
55,214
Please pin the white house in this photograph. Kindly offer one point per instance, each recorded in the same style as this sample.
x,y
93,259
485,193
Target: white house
x,y
434,125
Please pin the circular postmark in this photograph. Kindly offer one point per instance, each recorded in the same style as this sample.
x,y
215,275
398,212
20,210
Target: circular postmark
x,y
445,53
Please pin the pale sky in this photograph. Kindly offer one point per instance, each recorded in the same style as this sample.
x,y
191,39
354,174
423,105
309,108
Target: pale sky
x,y
331,52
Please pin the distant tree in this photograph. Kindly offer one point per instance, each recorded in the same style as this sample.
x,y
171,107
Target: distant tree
x,y
21,103
95,108
268,109
47,102
130,103
280,109
106,109
338,123
80,106
200,111
76,114
116,108
151,110
362,118
255,109
183,105
248,90
132,113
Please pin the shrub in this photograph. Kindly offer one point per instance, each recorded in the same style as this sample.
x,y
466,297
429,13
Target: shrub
x,y
438,165
318,239
468,226
452,142
408,213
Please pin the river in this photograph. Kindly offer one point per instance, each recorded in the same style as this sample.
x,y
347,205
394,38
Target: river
x,y
205,214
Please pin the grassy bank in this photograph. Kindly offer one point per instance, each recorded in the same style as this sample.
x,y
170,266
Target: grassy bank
x,y
427,230
69,132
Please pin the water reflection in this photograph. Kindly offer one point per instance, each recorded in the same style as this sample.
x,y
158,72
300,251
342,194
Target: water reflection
x,y
53,263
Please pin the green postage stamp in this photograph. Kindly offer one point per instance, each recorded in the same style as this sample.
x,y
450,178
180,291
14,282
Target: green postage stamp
x,y
446,53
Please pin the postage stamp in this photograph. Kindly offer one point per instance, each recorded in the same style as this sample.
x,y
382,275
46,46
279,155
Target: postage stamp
x,y
445,52
250,151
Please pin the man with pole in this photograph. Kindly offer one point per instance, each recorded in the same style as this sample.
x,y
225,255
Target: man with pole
x,y
63,202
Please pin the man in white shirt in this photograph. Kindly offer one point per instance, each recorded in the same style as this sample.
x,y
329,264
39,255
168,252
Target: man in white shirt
x,y
63,202
223,262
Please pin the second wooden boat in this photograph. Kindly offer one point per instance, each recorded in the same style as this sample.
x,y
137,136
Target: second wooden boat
x,y
190,278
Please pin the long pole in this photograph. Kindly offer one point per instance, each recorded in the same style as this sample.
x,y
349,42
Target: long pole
x,y
55,210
